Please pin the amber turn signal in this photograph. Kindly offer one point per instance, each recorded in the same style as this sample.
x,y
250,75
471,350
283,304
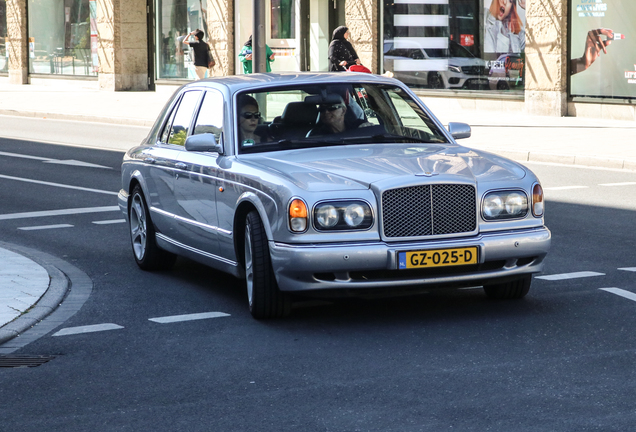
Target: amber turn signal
x,y
298,215
537,200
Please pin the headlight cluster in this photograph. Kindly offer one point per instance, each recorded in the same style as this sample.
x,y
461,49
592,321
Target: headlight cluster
x,y
331,216
504,205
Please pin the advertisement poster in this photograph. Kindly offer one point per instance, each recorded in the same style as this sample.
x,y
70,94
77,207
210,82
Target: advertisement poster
x,y
504,41
603,48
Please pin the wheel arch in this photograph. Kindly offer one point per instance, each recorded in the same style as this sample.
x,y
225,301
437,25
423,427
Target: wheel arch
x,y
247,203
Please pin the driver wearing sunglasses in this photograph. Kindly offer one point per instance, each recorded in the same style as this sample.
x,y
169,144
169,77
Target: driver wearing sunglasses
x,y
249,117
331,119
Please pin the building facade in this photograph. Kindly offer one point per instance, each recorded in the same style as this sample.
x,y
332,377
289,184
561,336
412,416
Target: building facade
x,y
548,57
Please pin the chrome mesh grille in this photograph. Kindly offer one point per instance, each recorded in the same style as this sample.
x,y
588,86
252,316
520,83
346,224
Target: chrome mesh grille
x,y
429,210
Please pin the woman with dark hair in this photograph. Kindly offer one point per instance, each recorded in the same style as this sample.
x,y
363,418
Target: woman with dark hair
x,y
249,118
201,51
341,52
245,56
504,30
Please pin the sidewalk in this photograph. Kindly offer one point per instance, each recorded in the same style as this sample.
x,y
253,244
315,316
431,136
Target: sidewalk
x,y
566,140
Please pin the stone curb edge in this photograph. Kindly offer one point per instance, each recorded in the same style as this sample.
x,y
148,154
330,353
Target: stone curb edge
x,y
582,161
79,117
58,288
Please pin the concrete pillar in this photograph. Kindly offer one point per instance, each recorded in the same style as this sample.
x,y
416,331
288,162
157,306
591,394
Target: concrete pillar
x,y
17,47
123,45
546,57
362,17
221,37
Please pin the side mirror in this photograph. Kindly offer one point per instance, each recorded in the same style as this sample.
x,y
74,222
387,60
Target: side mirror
x,y
459,130
205,142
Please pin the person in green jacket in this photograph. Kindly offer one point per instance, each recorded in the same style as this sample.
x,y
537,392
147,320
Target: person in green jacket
x,y
245,56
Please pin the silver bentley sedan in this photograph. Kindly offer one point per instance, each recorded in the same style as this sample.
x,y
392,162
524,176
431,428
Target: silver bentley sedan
x,y
328,184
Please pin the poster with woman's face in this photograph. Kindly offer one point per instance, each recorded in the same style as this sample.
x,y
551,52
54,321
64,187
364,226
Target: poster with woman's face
x,y
504,26
603,48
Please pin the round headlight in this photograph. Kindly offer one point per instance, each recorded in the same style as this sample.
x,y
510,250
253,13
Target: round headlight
x,y
516,204
354,215
493,206
327,216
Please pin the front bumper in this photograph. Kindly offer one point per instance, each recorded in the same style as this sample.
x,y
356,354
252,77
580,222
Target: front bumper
x,y
506,255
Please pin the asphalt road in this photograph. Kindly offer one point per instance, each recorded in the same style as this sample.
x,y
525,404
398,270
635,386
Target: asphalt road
x,y
561,359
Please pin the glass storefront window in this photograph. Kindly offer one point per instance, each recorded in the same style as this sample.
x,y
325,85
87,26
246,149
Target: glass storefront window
x,y
175,19
603,48
4,54
456,44
63,37
283,19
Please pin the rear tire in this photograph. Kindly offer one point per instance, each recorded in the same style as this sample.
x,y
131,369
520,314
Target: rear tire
x,y
264,297
435,81
515,289
142,236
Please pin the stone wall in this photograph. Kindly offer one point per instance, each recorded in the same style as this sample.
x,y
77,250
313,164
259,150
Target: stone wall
x,y
16,47
546,57
221,37
123,41
362,18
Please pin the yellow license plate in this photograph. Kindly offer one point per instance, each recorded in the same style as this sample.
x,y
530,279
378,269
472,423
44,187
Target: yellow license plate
x,y
437,258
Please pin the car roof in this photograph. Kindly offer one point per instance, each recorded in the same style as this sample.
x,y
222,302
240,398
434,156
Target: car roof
x,y
235,83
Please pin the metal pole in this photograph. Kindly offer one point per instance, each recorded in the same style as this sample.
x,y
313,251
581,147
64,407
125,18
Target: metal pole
x,y
259,53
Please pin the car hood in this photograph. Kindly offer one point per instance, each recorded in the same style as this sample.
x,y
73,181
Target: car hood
x,y
358,167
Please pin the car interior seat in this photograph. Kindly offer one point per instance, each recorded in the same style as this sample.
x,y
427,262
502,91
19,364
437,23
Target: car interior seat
x,y
297,119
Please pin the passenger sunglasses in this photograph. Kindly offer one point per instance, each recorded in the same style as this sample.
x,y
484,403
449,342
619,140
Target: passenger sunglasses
x,y
329,108
250,115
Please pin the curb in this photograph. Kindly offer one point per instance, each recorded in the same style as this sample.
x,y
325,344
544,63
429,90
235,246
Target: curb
x,y
124,121
58,288
573,160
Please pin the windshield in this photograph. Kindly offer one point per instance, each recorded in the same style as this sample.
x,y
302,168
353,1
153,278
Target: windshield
x,y
335,114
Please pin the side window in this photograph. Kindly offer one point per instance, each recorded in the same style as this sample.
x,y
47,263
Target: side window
x,y
182,118
166,129
210,118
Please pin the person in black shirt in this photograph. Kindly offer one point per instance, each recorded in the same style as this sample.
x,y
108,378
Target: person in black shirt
x,y
341,52
201,51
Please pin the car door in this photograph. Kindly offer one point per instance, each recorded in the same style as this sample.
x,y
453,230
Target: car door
x,y
197,182
160,160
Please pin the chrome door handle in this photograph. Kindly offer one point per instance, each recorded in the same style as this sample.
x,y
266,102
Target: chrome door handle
x,y
181,165
149,160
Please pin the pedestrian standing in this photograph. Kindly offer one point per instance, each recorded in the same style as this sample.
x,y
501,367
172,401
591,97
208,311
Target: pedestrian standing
x,y
341,52
202,58
245,56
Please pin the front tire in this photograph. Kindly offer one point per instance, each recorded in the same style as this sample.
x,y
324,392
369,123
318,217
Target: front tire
x,y
265,299
142,236
515,289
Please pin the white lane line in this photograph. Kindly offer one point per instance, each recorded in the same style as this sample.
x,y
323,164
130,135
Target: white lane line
x,y
54,161
573,275
87,329
631,269
58,185
43,227
618,184
557,188
620,292
106,222
58,212
189,317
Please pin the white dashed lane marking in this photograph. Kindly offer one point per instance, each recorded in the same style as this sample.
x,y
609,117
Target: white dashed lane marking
x,y
87,329
188,317
58,212
44,227
630,269
558,188
60,185
618,184
620,292
574,275
106,222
